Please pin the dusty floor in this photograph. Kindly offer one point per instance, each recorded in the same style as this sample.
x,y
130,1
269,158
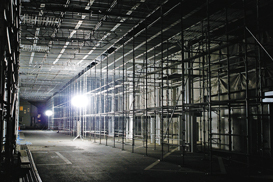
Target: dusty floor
x,y
59,158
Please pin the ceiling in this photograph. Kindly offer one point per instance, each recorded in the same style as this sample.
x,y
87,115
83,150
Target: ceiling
x,y
60,40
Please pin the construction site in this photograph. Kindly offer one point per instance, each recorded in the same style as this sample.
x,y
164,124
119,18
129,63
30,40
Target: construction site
x,y
156,78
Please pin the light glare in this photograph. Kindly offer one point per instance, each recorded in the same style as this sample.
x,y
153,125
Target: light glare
x,y
48,113
79,101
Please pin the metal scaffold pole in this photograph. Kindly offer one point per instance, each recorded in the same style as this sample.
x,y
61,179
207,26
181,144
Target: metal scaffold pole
x,y
228,85
182,120
203,90
246,89
162,86
107,100
97,102
209,86
100,97
123,100
167,98
127,100
153,128
146,90
70,111
134,95
2,84
260,83
114,103
201,128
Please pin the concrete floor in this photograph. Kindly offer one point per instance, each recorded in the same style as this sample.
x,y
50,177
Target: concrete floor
x,y
59,158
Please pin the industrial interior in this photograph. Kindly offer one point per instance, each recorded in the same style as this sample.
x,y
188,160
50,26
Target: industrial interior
x,y
189,75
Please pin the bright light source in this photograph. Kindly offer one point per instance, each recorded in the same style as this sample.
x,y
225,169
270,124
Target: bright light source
x,y
79,101
48,113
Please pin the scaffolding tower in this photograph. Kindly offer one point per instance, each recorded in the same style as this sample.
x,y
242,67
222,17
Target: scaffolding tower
x,y
9,54
200,85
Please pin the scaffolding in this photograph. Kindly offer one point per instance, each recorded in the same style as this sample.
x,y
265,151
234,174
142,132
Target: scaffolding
x,y
199,86
9,53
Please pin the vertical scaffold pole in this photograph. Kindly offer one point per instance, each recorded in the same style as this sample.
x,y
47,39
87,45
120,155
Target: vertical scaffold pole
x,y
155,101
209,86
134,93
204,89
167,98
146,89
260,80
182,121
107,101
114,100
100,97
162,85
2,84
200,92
96,105
123,100
246,90
228,85
259,90
70,109
127,104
